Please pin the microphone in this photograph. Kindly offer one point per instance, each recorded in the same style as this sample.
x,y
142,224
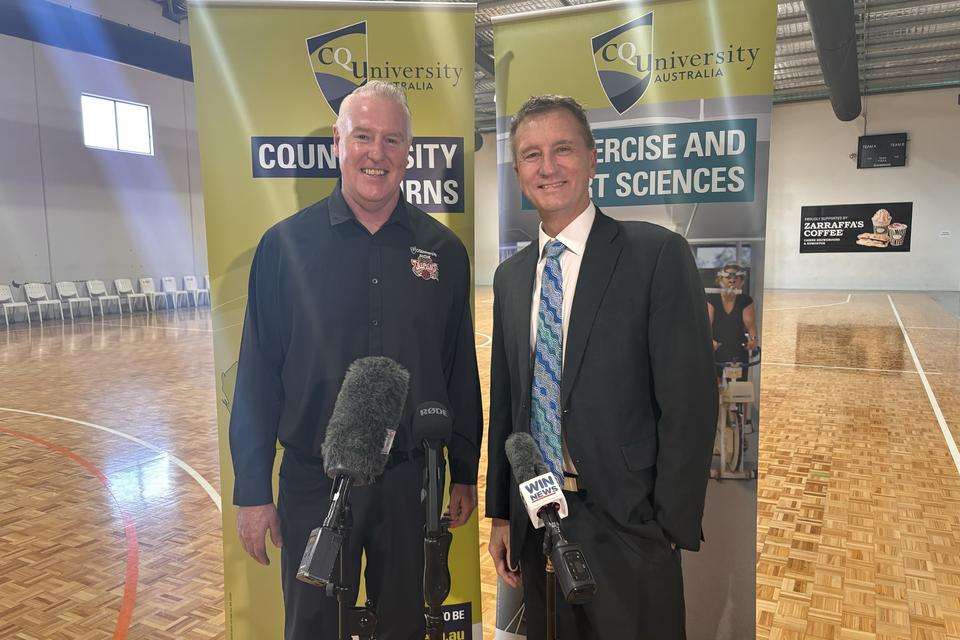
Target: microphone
x,y
432,423
538,486
546,505
355,449
364,420
433,427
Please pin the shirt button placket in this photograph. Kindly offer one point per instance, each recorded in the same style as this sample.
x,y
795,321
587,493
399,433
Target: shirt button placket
x,y
376,302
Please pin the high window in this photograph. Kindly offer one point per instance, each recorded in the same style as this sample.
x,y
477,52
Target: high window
x,y
116,125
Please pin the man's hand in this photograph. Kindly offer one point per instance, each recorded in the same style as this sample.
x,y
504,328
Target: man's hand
x,y
499,549
253,524
463,500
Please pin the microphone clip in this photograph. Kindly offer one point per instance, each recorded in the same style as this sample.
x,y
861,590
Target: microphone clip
x,y
569,564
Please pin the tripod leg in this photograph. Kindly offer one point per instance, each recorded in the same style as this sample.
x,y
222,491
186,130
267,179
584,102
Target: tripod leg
x,y
551,602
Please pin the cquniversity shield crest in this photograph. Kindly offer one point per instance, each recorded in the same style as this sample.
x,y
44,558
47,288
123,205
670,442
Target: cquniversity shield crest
x,y
623,57
339,61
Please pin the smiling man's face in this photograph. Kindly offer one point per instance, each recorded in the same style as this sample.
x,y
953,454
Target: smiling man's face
x,y
372,151
554,165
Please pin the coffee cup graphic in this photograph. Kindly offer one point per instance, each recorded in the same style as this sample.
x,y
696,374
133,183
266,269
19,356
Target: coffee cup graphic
x,y
881,221
898,233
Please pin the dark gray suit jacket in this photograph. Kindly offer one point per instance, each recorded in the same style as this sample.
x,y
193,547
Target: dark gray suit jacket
x,y
638,392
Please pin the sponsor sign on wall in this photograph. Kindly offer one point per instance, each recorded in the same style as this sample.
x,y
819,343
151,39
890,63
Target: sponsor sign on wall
x,y
856,228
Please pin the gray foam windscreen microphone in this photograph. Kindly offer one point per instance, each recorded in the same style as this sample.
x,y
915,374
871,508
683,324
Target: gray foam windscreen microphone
x,y
368,407
525,458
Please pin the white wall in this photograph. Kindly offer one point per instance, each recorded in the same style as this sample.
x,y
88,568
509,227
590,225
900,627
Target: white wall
x,y
72,213
23,235
810,165
486,212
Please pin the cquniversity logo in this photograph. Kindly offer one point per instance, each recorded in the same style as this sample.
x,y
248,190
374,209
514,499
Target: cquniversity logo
x,y
339,61
623,57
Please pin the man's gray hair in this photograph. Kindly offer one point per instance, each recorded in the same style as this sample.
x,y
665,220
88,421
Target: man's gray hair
x,y
382,89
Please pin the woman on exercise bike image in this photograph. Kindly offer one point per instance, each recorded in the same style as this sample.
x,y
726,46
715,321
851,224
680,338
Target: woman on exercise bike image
x,y
733,318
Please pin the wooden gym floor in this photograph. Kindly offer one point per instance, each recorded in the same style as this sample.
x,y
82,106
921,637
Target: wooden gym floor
x,y
109,480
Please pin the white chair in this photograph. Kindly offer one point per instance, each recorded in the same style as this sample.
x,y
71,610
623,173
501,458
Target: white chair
x,y
148,289
6,299
190,286
125,290
37,294
168,284
98,291
67,291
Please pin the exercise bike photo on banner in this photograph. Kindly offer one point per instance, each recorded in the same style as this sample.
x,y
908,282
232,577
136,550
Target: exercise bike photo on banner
x,y
677,95
725,273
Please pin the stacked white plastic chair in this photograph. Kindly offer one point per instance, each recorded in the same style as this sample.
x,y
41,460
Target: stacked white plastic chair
x,y
98,291
125,290
168,284
67,292
149,289
37,295
195,293
9,304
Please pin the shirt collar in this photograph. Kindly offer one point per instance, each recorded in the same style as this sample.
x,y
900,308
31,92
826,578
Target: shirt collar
x,y
340,211
574,235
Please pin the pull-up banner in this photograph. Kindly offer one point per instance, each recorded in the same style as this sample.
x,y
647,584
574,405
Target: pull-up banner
x,y
270,79
678,96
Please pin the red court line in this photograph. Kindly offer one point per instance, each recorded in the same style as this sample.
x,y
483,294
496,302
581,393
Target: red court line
x,y
129,530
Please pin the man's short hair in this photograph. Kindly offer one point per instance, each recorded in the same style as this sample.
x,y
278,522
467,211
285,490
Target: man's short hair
x,y
539,105
381,89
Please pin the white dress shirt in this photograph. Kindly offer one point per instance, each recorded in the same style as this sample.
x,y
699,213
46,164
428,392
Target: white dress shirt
x,y
574,237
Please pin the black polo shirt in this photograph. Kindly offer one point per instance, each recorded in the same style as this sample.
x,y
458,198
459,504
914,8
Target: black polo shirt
x,y
323,292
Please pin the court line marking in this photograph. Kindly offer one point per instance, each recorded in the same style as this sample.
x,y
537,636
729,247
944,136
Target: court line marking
x,y
150,326
937,328
132,574
947,435
223,304
193,473
488,339
826,366
94,323
813,306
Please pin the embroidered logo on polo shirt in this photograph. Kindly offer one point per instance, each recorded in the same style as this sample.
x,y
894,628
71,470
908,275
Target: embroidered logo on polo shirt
x,y
424,264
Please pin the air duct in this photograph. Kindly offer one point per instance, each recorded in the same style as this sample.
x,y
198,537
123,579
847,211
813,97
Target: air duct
x,y
834,31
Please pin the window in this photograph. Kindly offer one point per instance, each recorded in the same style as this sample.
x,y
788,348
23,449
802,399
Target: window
x,y
116,125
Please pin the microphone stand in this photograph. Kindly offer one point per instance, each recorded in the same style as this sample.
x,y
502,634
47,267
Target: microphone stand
x,y
351,620
436,546
551,535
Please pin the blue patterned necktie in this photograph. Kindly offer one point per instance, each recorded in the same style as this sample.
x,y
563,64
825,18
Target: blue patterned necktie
x,y
548,363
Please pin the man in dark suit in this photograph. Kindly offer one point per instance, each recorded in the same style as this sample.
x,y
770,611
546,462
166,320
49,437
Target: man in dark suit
x,y
615,384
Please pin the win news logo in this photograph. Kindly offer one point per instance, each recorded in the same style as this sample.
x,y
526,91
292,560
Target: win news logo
x,y
623,57
339,61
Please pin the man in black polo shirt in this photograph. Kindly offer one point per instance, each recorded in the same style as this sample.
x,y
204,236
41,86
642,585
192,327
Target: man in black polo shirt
x,y
360,273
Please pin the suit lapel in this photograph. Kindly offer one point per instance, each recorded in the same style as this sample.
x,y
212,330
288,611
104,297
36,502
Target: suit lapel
x,y
599,259
521,295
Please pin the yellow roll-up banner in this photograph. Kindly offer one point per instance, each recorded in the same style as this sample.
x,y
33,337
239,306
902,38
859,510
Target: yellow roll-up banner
x,y
678,97
270,77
